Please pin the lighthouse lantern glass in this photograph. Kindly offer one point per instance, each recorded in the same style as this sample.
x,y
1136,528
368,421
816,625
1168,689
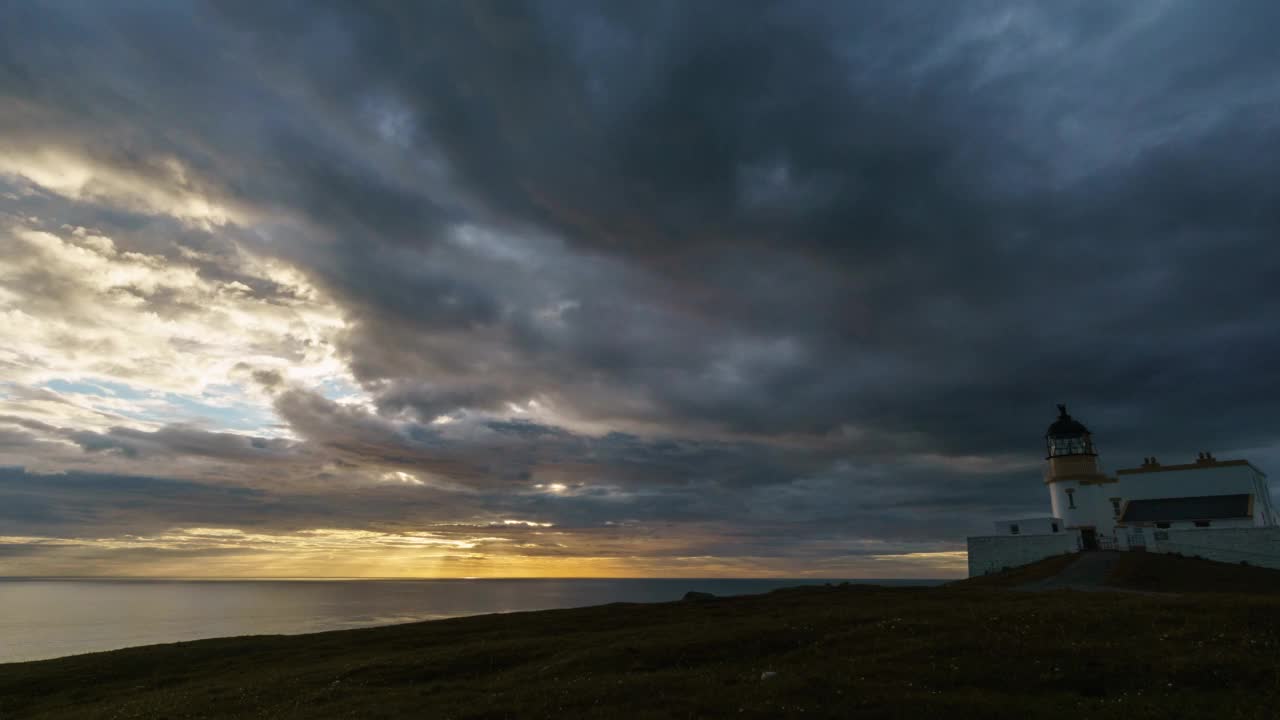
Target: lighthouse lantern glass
x,y
1059,446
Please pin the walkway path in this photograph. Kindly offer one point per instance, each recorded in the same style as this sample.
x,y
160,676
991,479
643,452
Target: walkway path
x,y
1089,572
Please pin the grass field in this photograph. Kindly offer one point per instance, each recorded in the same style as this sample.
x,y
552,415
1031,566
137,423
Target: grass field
x,y
968,650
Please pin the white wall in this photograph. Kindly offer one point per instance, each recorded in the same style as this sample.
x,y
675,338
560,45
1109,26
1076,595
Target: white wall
x,y
1092,507
1208,480
1125,536
1254,545
993,553
1030,526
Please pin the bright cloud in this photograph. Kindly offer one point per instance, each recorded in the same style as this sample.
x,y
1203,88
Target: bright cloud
x,y
178,344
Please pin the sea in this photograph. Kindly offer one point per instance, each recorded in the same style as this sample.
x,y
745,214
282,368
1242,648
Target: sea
x,y
43,618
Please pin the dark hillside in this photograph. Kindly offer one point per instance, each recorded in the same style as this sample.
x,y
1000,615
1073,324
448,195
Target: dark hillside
x,y
1144,572
1022,575
1155,572
866,652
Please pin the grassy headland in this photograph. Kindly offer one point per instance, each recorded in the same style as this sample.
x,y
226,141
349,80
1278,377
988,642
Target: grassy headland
x,y
968,650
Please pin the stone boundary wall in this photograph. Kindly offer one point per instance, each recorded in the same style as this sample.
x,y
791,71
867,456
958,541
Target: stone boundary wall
x,y
993,553
1257,545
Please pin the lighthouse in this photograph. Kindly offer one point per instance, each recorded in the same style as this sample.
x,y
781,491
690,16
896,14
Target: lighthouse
x,y
1078,489
1217,509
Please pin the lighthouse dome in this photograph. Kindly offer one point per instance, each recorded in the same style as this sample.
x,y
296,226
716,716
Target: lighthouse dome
x,y
1068,436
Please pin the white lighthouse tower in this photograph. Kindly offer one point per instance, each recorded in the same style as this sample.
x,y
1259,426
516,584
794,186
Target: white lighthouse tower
x,y
1078,488
1217,509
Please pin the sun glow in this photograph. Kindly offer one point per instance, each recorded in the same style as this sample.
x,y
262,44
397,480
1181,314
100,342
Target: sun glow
x,y
399,476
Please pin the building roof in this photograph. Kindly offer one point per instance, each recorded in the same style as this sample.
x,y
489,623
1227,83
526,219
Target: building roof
x,y
1202,465
1207,507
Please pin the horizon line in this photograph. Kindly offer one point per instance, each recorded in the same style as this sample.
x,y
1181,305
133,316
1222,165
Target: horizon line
x,y
4,578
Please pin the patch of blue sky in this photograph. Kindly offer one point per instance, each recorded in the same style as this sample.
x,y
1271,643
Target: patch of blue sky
x,y
220,412
98,388
219,407
338,389
223,393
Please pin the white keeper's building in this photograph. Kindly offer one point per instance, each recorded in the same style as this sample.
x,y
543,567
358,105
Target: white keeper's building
x,y
1218,509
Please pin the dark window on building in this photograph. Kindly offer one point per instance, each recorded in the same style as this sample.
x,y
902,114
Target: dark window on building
x,y
1054,526
1163,526
1013,529
1162,535
1202,523
1071,499
1115,506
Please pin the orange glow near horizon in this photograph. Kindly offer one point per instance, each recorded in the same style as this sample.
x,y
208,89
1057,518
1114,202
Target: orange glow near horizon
x,y
319,554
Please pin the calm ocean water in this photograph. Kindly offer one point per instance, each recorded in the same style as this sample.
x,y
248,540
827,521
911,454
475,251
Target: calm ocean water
x,y
51,618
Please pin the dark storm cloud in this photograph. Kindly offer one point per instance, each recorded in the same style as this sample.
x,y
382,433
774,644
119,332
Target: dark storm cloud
x,y
752,260
893,192
87,504
514,454
182,441
98,504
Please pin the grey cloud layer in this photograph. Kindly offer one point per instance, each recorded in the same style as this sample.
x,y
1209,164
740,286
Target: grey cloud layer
x,y
840,215
705,261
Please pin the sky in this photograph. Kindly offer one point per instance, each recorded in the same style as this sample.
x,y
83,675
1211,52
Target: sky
x,y
571,289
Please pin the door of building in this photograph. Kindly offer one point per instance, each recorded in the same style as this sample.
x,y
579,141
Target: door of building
x,y
1089,538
